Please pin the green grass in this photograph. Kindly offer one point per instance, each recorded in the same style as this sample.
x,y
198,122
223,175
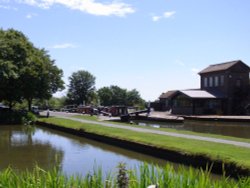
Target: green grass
x,y
215,151
95,118
87,117
139,177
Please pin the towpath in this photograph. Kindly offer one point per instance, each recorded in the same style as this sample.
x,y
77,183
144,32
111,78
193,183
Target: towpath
x,y
144,130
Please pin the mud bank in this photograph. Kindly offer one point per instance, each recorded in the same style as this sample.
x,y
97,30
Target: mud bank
x,y
198,161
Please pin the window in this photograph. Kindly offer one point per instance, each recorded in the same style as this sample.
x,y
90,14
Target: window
x,y
211,81
222,80
205,82
216,81
238,83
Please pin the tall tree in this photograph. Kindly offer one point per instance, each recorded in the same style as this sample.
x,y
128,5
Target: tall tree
x,y
13,56
41,77
26,72
81,87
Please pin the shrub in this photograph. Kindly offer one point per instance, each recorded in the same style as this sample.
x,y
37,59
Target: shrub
x,y
29,118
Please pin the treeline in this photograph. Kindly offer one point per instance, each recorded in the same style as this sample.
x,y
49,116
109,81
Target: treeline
x,y
82,91
28,76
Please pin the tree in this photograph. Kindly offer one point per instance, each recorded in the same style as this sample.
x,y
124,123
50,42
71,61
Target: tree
x,y
134,98
26,72
81,87
41,77
115,95
13,56
112,95
105,95
119,95
9,83
54,103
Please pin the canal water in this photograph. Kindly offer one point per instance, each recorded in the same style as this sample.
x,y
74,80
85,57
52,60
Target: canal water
x,y
234,129
23,147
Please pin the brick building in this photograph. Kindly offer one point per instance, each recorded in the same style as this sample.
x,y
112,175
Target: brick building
x,y
224,89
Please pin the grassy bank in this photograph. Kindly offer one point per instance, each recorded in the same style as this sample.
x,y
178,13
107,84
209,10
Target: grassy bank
x,y
214,151
95,118
165,177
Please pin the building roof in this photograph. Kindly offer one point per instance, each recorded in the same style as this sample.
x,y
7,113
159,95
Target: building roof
x,y
168,94
202,94
220,67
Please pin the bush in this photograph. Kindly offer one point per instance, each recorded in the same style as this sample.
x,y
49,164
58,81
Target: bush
x,y
29,118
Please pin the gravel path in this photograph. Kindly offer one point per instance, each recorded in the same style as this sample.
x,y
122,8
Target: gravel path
x,y
137,129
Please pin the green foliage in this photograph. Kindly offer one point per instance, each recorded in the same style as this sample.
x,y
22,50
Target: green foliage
x,y
134,98
13,54
106,96
53,103
115,95
29,118
81,87
26,72
165,177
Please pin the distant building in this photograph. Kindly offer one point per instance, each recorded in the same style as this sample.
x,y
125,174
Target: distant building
x,y
224,89
166,100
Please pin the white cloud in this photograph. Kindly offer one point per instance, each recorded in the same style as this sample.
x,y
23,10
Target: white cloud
x,y
168,14
116,8
156,18
63,46
165,15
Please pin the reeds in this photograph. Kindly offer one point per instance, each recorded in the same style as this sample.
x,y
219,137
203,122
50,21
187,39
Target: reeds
x,y
139,177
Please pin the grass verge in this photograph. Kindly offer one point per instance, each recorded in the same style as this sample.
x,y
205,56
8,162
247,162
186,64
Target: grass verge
x,y
95,118
214,151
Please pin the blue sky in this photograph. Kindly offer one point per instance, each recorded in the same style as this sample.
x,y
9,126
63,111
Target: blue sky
x,y
152,46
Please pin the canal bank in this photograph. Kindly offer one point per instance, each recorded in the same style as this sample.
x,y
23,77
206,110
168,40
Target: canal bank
x,y
215,118
151,147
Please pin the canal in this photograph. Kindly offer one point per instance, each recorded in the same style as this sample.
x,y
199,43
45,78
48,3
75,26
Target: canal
x,y
234,129
23,147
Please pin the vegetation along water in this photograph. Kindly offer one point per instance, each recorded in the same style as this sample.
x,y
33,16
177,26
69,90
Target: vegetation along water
x,y
141,175
122,178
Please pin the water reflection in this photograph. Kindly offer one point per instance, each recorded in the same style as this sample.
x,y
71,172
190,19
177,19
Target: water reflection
x,y
241,130
76,155
81,155
22,150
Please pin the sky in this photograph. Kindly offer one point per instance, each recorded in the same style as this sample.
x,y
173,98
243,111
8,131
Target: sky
x,y
152,45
